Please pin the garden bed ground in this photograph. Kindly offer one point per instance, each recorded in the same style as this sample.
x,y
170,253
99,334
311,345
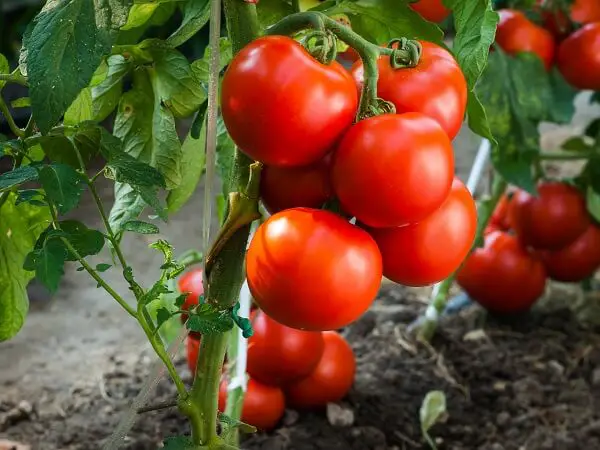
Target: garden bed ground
x,y
532,386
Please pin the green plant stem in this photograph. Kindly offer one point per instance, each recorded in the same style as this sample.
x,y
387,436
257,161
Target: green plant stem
x,y
566,156
235,398
427,326
9,119
14,77
368,51
226,277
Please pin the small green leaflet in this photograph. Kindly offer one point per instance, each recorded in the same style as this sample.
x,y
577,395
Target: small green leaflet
x,y
103,267
138,226
31,196
4,68
195,15
63,186
433,410
208,320
48,261
9,180
126,169
20,227
178,443
87,242
162,315
105,95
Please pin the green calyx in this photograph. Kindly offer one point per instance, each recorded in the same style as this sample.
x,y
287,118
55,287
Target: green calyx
x,y
405,53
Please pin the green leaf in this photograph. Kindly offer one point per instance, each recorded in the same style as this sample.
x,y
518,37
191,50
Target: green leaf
x,y
86,241
225,153
103,267
192,167
23,102
20,228
178,443
577,144
477,118
515,106
48,262
20,175
63,185
180,300
209,320
593,203
105,95
4,68
32,196
111,15
128,205
139,14
562,108
271,11
475,24
593,129
173,79
61,53
60,149
137,226
81,108
162,315
432,411
195,15
200,67
381,20
126,169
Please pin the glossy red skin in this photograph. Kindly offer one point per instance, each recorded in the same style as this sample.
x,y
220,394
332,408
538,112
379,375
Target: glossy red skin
x,y
192,345
393,169
341,261
290,187
432,10
429,251
281,106
500,217
579,57
278,355
436,87
577,261
263,405
582,11
552,220
516,33
332,378
190,282
502,276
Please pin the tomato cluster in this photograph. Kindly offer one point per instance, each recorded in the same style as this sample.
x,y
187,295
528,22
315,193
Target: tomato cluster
x,y
576,53
528,239
304,369
312,269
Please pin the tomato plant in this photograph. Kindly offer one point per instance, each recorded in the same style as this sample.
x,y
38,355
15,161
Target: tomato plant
x,y
429,251
502,276
275,84
576,261
331,379
341,260
516,33
289,187
551,220
263,405
408,180
435,87
578,57
278,355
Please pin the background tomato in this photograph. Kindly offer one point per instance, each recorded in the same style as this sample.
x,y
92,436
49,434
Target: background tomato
x,y
432,10
278,354
585,11
263,405
393,169
192,345
191,282
579,57
281,106
436,87
332,378
428,251
551,220
289,187
577,261
502,276
310,269
516,33
500,217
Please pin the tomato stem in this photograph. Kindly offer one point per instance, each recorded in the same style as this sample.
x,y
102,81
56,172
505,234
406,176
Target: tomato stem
x,y
566,156
426,326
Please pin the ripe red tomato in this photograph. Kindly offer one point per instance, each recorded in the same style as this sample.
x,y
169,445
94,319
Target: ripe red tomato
x,y
191,282
579,57
332,378
502,276
500,217
290,187
428,251
263,405
192,344
278,354
432,10
393,169
436,87
551,220
281,106
516,33
310,269
582,11
585,11
577,261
